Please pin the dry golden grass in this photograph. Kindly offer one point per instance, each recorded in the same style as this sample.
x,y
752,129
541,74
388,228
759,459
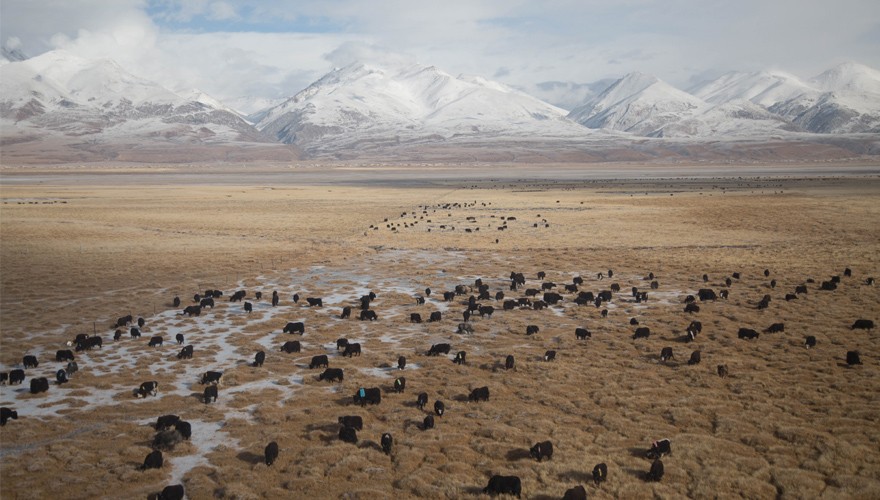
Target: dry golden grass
x,y
788,421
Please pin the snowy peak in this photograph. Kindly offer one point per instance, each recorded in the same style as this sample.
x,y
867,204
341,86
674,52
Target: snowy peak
x,y
846,100
637,103
631,84
409,102
849,77
196,95
101,80
60,94
403,106
764,88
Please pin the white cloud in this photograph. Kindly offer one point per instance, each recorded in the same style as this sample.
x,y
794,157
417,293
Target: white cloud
x,y
351,52
36,22
222,11
231,65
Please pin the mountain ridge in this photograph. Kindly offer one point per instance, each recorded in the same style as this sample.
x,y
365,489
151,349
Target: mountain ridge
x,y
98,104
370,109
363,103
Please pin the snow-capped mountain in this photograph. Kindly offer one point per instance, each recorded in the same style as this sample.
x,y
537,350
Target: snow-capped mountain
x,y
849,77
737,118
60,94
639,104
98,110
764,88
366,104
847,100
844,99
196,95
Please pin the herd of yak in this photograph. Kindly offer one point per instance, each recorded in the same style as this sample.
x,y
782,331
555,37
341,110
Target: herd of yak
x,y
171,429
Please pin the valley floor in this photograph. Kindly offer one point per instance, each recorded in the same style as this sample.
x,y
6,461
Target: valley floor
x,y
81,247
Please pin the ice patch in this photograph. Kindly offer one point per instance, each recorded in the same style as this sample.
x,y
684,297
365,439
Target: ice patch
x,y
560,311
205,438
438,305
379,372
58,399
210,334
220,342
343,299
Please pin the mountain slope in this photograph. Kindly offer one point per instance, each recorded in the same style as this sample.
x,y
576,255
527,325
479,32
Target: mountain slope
x,y
850,102
765,88
844,99
849,78
737,118
363,104
639,104
98,110
58,93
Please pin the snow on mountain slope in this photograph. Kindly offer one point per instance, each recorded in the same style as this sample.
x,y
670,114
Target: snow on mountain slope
x,y
844,99
637,103
739,118
367,104
403,108
849,78
99,81
196,95
59,93
831,113
765,88
26,94
849,102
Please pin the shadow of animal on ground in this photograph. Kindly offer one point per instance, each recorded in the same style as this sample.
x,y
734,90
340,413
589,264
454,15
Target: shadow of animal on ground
x,y
636,473
576,476
518,454
637,451
251,458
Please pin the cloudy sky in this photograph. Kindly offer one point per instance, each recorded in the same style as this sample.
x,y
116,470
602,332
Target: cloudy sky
x,y
274,48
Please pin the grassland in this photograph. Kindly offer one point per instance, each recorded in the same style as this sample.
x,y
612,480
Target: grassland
x,y
787,422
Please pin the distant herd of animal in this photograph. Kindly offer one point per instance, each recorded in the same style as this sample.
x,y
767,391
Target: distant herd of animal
x,y
171,429
432,220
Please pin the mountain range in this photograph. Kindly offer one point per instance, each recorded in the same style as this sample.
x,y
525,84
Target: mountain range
x,y
410,103
97,107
